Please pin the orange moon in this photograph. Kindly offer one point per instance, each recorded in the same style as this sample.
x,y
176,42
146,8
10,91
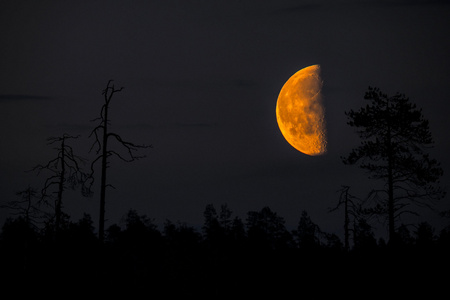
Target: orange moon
x,y
300,112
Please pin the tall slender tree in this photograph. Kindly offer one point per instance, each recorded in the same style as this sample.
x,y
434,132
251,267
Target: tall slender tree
x,y
65,170
352,210
395,137
102,135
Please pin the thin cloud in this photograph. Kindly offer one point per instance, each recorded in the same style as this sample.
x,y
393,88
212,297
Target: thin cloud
x,y
71,126
316,5
244,83
412,2
22,97
198,125
298,8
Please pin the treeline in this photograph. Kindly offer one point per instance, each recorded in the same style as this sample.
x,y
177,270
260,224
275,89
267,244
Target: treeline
x,y
228,254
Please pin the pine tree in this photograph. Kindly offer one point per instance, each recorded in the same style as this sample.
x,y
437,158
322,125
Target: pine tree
x,y
395,137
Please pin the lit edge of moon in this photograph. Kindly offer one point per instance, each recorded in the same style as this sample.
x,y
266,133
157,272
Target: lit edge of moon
x,y
301,113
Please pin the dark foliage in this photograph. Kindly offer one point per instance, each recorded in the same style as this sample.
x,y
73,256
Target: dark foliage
x,y
395,138
260,258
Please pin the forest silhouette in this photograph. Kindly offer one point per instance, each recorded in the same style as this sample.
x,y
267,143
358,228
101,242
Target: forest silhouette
x,y
257,256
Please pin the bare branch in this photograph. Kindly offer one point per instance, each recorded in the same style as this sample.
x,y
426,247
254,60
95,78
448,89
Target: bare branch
x,y
90,177
129,146
101,145
97,140
119,156
110,185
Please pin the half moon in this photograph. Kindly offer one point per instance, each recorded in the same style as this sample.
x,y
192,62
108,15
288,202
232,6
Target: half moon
x,y
300,112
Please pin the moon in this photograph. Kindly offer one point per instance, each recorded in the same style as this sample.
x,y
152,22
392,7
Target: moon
x,y
300,112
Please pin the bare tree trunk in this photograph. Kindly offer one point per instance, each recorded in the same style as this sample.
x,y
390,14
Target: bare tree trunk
x,y
391,208
60,190
101,227
391,215
346,223
103,152
394,136
65,168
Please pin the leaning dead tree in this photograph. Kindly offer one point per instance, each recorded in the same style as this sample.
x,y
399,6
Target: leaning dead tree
x,y
102,137
65,171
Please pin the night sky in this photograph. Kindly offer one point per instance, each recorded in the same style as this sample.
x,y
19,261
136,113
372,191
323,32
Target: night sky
x,y
201,82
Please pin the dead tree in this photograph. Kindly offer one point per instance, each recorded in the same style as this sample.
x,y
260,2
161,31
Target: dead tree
x,y
26,207
352,209
64,171
102,136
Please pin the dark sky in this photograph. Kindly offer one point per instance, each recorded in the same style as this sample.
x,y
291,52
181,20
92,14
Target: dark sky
x,y
201,82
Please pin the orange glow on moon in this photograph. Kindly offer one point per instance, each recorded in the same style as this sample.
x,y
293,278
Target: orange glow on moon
x,y
300,112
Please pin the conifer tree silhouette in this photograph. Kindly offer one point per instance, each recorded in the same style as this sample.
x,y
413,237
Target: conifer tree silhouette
x,y
395,137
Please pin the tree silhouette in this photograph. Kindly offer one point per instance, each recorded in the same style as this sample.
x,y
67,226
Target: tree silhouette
x,y
212,229
181,237
308,233
351,210
28,207
225,218
424,234
102,136
395,137
17,241
22,232
268,262
65,170
363,236
404,238
220,228
267,230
